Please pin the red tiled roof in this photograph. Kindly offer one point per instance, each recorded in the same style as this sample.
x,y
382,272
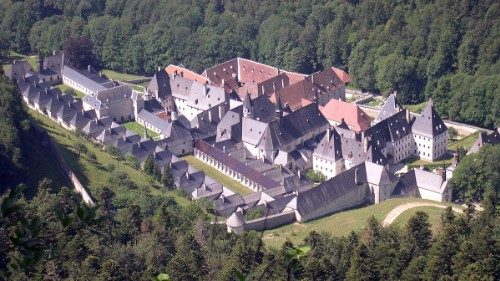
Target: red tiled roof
x,y
344,77
354,117
186,73
295,93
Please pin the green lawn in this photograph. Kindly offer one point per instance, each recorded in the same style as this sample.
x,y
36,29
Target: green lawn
x,y
218,176
465,142
433,212
139,129
415,162
416,108
65,88
111,74
339,224
375,103
95,175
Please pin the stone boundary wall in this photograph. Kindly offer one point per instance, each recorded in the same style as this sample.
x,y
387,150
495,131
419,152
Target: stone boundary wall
x,y
137,81
86,196
273,221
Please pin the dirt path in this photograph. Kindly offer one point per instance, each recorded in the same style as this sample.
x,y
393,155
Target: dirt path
x,y
401,208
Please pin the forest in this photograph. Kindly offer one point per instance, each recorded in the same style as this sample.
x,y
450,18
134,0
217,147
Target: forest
x,y
445,49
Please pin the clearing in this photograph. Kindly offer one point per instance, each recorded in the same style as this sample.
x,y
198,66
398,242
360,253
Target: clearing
x,y
338,224
210,171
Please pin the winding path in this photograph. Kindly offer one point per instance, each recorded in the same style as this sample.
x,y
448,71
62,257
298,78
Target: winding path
x,y
401,208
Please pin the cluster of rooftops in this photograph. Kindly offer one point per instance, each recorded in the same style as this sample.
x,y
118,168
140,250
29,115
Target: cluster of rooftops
x,y
262,125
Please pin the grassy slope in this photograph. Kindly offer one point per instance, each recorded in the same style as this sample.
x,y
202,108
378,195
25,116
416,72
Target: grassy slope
x,y
338,224
139,129
95,175
433,212
218,176
121,76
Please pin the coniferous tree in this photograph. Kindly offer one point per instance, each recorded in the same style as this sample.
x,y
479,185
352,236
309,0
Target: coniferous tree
x,y
149,166
167,178
361,269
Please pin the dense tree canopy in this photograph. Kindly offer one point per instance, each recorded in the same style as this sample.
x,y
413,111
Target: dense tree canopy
x,y
443,49
478,172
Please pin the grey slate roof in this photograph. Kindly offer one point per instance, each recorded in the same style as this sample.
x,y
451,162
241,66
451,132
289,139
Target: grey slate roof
x,y
235,165
330,147
293,126
90,80
390,129
416,179
391,106
429,123
226,205
311,199
160,83
485,138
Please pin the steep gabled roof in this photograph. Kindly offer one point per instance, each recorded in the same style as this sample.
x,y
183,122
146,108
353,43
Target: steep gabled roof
x,y
354,117
161,83
391,106
330,147
429,123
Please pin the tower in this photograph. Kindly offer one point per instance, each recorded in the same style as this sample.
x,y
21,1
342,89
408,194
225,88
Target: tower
x,y
248,106
278,109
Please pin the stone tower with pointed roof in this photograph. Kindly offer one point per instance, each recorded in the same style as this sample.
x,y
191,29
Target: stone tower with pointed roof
x,y
248,107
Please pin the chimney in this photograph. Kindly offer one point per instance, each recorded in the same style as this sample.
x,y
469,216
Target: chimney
x,y
274,86
88,68
365,144
299,173
210,117
175,73
441,172
53,53
40,63
224,148
408,118
223,198
328,133
283,83
204,185
223,82
187,174
356,177
263,89
159,68
456,159
222,110
100,73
